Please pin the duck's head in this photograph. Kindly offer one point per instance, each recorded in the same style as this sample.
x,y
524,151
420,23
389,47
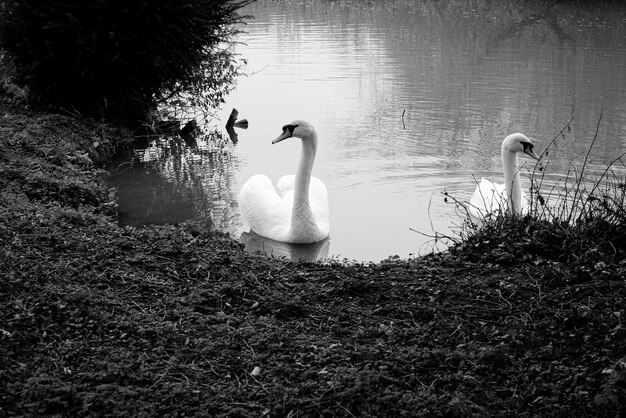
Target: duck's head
x,y
297,129
519,143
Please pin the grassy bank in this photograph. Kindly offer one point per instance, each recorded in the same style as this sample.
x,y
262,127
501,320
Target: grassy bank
x,y
96,319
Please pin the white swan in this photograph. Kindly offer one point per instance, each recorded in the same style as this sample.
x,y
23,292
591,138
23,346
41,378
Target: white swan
x,y
490,197
296,211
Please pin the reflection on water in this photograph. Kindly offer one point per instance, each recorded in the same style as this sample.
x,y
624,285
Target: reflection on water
x,y
297,252
145,196
411,99
169,180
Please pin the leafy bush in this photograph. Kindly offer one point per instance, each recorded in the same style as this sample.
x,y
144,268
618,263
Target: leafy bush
x,y
120,59
8,88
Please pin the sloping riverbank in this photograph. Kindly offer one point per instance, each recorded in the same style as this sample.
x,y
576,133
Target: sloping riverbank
x,y
98,319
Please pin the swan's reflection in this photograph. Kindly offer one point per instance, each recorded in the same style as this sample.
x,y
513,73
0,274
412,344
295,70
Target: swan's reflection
x,y
296,252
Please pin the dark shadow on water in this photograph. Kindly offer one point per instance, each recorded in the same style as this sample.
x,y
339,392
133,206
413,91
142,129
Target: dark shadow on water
x,y
145,197
315,251
171,179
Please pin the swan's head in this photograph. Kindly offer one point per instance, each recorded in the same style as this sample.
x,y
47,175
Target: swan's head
x,y
297,129
518,143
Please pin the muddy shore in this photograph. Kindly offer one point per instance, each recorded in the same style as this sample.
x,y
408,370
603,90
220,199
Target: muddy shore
x,y
102,320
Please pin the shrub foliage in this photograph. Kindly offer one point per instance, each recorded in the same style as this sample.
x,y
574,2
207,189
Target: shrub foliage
x,y
120,59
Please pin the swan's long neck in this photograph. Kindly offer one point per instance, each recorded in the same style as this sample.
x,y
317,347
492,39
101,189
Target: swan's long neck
x,y
301,215
512,183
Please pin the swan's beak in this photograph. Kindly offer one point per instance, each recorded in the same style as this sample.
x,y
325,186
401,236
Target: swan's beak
x,y
286,134
529,151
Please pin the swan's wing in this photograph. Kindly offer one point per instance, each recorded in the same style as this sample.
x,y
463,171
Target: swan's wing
x,y
285,184
488,197
263,209
318,197
525,203
318,200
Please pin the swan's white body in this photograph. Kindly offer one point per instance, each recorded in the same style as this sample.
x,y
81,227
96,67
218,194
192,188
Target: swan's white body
x,y
296,210
507,197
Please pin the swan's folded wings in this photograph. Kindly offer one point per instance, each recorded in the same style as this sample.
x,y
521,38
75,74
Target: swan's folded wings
x,y
318,197
285,185
488,197
318,194
262,208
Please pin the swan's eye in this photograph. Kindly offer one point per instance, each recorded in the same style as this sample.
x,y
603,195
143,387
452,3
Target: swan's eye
x,y
289,128
527,145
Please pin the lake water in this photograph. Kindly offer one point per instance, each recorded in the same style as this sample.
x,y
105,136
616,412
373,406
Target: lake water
x,y
409,99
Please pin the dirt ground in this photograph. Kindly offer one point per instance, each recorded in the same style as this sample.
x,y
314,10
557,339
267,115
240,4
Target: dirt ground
x,y
102,320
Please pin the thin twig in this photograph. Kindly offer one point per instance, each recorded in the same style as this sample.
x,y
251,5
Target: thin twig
x,y
580,177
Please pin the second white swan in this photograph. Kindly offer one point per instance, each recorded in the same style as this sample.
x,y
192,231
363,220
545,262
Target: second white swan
x,y
490,197
296,210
